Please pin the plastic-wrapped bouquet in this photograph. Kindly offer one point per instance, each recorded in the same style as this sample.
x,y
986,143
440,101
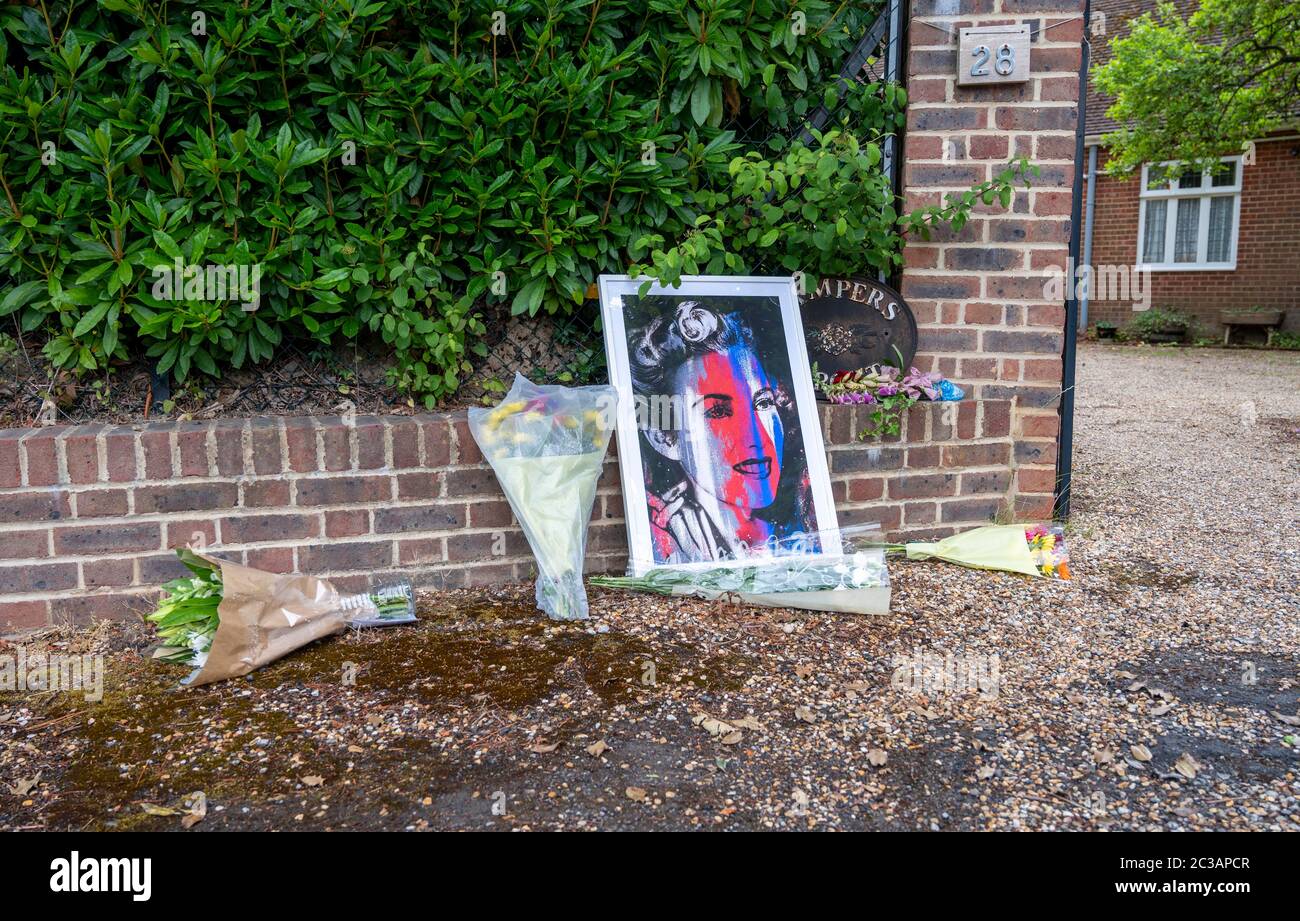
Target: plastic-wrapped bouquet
x,y
227,620
1047,547
854,581
546,445
1034,550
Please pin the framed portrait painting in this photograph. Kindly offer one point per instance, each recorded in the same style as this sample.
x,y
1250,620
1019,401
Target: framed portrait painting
x,y
719,441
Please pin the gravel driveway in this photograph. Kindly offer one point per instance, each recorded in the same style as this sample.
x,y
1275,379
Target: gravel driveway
x,y
1158,689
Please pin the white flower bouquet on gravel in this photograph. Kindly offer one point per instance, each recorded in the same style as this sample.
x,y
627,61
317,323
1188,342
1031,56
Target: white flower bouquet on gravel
x,y
226,620
546,445
854,581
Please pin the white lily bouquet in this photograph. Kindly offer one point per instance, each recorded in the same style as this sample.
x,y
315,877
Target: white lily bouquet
x,y
795,575
546,445
227,620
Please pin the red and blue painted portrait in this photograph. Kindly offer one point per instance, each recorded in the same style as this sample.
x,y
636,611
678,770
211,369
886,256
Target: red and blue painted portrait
x,y
723,458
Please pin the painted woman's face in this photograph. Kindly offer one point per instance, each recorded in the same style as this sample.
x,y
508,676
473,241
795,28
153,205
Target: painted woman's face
x,y
731,437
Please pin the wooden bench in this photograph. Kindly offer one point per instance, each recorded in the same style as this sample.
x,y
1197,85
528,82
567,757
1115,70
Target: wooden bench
x,y
1270,320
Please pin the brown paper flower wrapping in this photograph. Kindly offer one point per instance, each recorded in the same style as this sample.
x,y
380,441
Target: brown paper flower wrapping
x,y
265,616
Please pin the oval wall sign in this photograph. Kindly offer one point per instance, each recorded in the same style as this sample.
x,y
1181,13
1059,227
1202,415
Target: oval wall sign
x,y
853,323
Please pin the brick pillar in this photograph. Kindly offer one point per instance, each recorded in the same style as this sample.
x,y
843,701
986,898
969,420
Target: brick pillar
x,y
978,295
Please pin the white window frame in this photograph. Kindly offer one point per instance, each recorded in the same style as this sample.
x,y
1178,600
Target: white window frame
x,y
1204,193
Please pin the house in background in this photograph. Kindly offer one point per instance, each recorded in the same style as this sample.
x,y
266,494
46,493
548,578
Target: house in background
x,y
1213,243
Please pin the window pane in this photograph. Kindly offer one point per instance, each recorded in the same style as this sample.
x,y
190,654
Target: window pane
x,y
1220,229
1227,177
1187,223
1190,181
1157,177
1153,240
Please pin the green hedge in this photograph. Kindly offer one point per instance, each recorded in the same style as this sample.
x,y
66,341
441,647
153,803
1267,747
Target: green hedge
x,y
382,161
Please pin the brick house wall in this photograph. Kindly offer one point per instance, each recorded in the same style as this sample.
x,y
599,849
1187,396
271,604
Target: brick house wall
x,y
979,294
89,514
1267,272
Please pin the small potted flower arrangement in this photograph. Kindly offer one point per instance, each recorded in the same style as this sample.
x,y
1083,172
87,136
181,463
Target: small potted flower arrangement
x,y
1159,325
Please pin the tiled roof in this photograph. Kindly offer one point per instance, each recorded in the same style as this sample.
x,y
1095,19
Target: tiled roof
x,y
1119,13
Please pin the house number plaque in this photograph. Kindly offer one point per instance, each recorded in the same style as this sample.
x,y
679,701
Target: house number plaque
x,y
993,54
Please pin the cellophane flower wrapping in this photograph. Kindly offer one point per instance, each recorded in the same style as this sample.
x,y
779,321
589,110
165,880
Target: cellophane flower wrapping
x,y
547,445
1048,550
851,578
1033,550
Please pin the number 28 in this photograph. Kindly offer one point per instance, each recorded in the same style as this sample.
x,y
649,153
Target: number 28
x,y
1004,62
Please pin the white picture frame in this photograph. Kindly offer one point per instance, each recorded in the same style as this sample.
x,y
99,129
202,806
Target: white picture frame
x,y
772,297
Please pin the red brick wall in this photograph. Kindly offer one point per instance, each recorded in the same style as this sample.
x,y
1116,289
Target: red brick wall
x,y
89,514
1267,272
978,294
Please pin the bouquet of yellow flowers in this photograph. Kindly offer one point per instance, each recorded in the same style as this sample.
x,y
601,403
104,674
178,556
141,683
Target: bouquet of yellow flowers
x,y
1034,550
546,445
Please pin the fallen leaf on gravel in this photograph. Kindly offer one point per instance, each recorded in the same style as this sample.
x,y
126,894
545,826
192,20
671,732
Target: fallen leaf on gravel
x,y
356,749
635,794
1127,676
857,686
1288,720
597,749
1136,686
985,772
877,757
544,748
313,780
748,722
732,738
714,727
803,713
1187,766
802,671
1162,709
1106,756
1140,752
980,745
25,785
